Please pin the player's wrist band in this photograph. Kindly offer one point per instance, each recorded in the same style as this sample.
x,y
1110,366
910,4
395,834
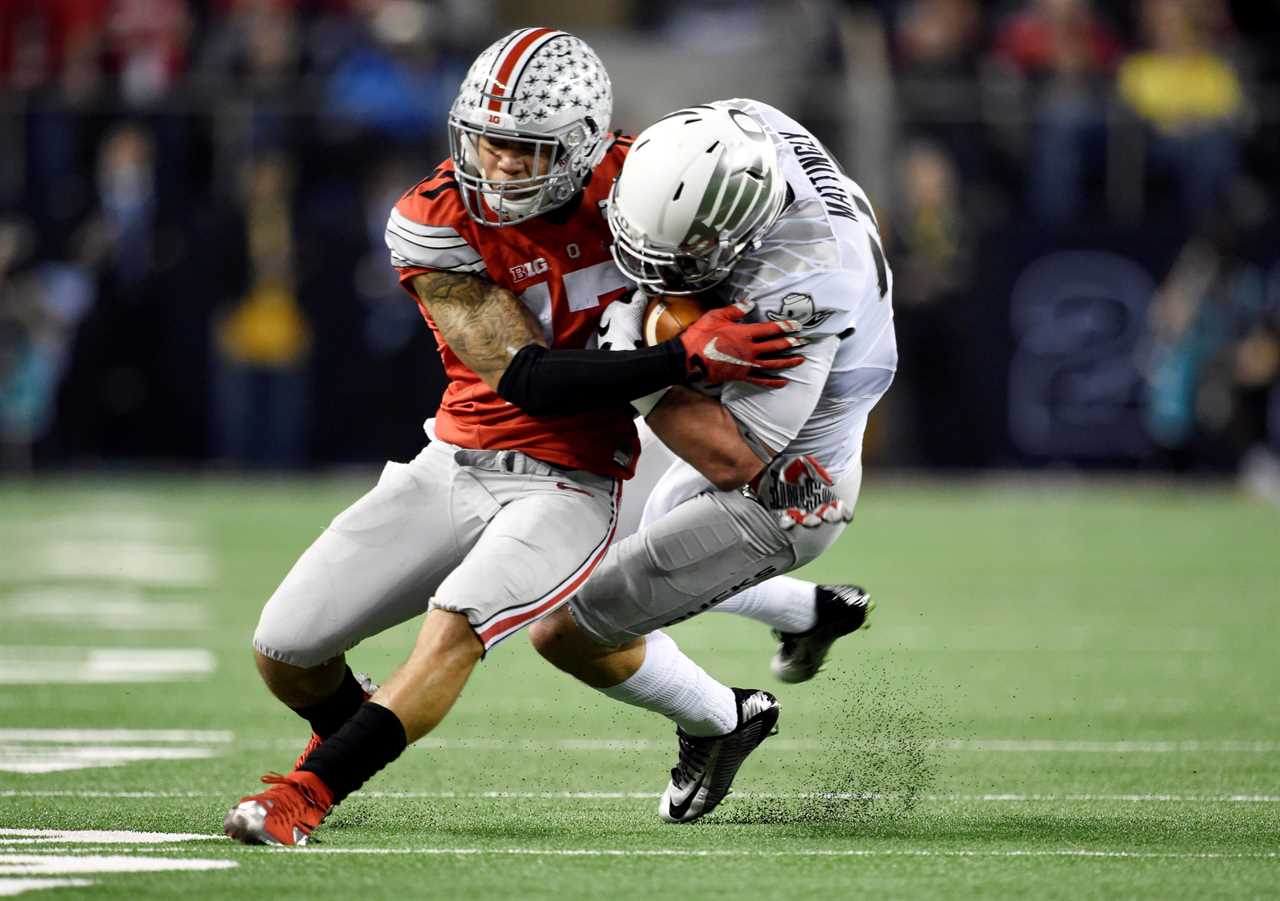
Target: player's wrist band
x,y
546,382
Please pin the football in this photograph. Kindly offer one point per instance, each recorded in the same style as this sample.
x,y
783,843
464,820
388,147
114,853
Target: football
x,y
667,315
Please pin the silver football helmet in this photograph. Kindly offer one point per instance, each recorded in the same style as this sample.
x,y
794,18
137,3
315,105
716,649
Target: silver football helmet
x,y
698,188
545,92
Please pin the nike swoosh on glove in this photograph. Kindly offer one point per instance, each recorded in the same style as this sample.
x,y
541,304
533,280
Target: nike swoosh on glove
x,y
720,347
622,323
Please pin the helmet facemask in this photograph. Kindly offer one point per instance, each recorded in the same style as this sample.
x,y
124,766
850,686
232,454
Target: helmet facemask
x,y
560,162
665,270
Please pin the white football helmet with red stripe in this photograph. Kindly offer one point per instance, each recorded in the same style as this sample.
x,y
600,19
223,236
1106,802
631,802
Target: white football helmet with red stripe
x,y
538,87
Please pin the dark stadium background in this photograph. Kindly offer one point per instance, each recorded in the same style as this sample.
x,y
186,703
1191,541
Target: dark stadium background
x,y
1082,224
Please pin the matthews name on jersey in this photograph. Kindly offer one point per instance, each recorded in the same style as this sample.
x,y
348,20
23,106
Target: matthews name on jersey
x,y
820,264
559,265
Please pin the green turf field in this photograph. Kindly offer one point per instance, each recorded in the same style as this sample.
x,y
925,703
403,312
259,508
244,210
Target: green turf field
x,y
1069,691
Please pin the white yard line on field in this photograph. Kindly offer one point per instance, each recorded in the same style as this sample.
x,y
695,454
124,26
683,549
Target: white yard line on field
x,y
120,544
102,608
115,736
809,852
980,745
846,796
128,562
29,759
30,665
58,750
1189,746
98,836
10,888
995,798
56,864
717,852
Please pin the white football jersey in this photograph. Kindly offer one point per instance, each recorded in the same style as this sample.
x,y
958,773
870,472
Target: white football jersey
x,y
822,265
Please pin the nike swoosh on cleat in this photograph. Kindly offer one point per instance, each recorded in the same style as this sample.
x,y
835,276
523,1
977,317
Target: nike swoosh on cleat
x,y
711,352
677,811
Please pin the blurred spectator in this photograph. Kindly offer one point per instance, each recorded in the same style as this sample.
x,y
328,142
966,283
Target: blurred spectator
x,y
40,306
1057,38
126,388
263,340
931,246
250,67
256,44
1189,96
56,58
391,318
939,36
127,205
21,379
1213,354
1066,54
937,49
931,234
710,26
43,41
147,47
397,81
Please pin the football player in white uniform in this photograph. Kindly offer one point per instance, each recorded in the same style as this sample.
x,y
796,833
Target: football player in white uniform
x,y
736,199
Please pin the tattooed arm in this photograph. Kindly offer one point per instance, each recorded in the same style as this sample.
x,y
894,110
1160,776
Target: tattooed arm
x,y
485,325
498,339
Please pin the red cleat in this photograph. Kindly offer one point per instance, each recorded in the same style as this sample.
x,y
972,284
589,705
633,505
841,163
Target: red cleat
x,y
284,814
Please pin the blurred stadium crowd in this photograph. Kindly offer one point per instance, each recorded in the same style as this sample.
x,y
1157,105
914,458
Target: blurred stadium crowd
x,y
1079,201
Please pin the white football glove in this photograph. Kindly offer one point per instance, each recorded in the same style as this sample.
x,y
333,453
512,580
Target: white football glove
x,y
622,328
622,323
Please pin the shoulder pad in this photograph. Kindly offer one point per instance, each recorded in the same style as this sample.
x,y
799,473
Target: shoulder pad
x,y
427,227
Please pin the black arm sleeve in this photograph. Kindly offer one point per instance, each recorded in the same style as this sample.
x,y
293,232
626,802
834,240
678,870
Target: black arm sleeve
x,y
546,382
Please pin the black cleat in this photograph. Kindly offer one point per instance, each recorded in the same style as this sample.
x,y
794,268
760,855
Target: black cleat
x,y
841,609
707,764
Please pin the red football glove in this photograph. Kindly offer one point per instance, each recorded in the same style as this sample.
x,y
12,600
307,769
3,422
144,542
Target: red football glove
x,y
721,348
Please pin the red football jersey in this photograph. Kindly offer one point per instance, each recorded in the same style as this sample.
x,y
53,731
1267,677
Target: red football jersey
x,y
559,266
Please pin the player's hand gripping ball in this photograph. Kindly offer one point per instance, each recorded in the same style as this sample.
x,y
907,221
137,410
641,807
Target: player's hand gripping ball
x,y
721,347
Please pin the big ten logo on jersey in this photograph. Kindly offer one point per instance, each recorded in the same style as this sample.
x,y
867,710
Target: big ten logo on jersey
x,y
529,269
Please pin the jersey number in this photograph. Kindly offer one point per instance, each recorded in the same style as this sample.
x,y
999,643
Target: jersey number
x,y
873,239
584,289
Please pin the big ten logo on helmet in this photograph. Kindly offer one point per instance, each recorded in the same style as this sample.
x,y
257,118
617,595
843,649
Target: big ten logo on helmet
x,y
529,269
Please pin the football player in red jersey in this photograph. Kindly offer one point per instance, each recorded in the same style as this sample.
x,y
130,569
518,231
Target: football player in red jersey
x,y
514,502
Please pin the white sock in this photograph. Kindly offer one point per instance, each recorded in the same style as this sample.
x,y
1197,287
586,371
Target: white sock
x,y
786,604
670,683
